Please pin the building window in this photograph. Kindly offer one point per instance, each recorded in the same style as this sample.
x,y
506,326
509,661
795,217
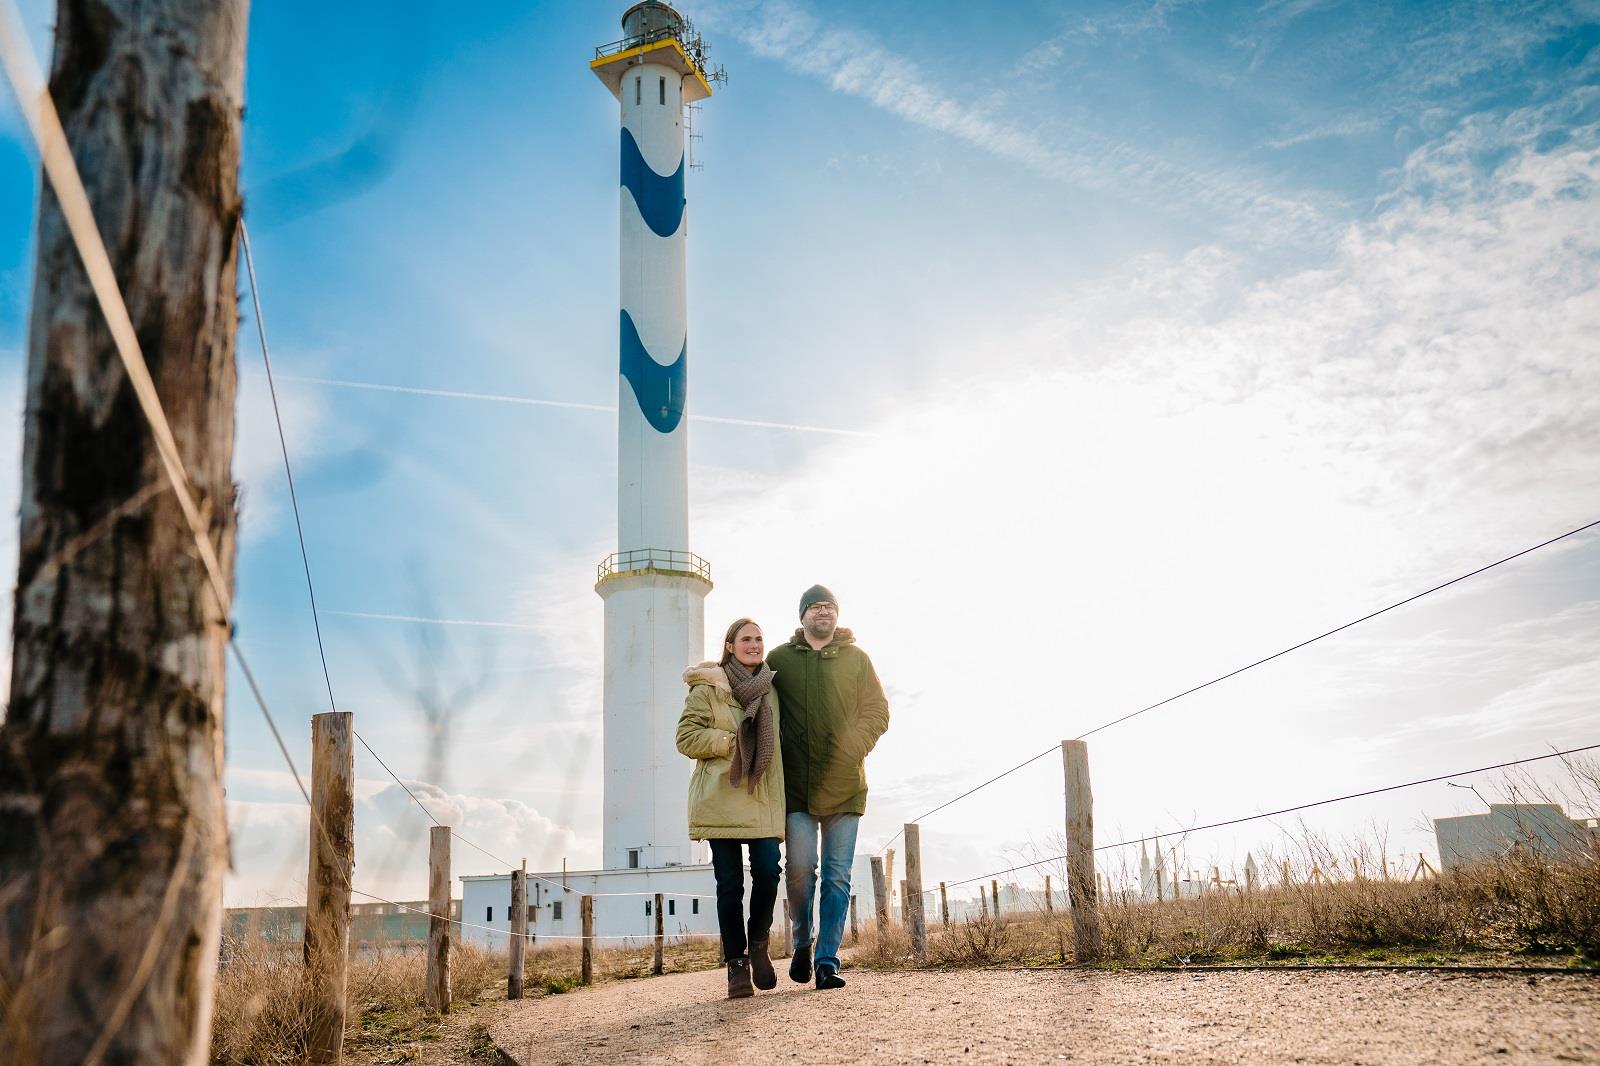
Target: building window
x,y
488,914
663,90
637,82
555,911
647,905
694,906
633,858
672,906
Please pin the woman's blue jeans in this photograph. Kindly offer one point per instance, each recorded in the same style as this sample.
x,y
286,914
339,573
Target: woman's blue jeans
x,y
837,852
727,862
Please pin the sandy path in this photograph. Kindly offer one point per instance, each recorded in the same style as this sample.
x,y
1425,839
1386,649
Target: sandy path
x,y
1067,1016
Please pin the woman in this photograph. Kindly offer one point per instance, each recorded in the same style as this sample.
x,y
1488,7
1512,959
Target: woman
x,y
729,727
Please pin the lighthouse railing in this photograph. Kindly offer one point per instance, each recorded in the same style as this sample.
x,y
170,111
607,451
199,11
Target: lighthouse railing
x,y
654,560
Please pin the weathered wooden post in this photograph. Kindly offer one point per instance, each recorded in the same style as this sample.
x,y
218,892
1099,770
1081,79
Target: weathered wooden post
x,y
855,929
905,908
994,890
658,967
1081,886
983,902
880,895
519,931
586,911
436,987
944,906
114,844
1049,903
327,932
913,892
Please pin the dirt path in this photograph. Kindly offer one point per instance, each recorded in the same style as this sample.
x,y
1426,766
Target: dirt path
x,y
1069,1016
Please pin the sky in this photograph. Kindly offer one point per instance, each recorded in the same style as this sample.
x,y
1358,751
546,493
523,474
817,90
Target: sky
x,y
1087,351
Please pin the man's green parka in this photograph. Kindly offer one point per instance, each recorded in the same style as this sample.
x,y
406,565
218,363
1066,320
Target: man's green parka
x,y
834,711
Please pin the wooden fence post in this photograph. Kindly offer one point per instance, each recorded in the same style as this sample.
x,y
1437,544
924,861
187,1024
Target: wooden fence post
x,y
659,966
994,890
436,987
1081,887
905,908
880,895
327,932
519,931
983,902
944,906
855,929
913,892
586,910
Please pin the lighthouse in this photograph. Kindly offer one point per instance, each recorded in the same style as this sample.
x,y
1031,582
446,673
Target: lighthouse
x,y
653,586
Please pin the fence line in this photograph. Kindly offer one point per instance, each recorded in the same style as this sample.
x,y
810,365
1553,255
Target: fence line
x,y
1287,810
1259,662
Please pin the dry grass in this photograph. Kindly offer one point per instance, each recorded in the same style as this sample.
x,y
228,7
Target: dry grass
x,y
1522,907
262,1008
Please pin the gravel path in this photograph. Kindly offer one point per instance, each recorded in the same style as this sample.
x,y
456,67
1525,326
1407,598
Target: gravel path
x,y
1070,1016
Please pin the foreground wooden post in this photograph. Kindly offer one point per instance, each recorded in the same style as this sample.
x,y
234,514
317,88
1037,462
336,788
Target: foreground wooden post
x,y
855,930
519,931
905,907
1049,904
436,987
1081,886
586,911
114,842
994,890
983,902
658,966
880,895
944,906
333,860
913,892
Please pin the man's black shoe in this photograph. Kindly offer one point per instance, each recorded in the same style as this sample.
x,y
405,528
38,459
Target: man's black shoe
x,y
828,977
800,965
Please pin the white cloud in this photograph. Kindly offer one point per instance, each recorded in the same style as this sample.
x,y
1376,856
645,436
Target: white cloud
x,y
854,63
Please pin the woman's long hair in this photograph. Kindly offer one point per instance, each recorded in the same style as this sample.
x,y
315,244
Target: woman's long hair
x,y
727,639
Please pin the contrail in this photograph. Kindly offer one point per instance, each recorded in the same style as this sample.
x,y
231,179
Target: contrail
x,y
432,621
528,401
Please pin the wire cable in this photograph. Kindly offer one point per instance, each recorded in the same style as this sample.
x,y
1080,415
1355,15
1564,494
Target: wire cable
x,y
283,446
1267,659
1290,810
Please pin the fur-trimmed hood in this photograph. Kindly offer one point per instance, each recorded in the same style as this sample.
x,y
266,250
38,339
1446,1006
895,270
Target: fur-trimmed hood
x,y
707,673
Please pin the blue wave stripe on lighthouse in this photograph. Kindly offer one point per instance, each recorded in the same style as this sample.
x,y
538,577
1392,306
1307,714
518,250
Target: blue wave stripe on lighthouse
x,y
660,197
659,389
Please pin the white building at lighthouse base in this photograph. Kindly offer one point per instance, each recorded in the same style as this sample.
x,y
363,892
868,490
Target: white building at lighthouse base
x,y
624,906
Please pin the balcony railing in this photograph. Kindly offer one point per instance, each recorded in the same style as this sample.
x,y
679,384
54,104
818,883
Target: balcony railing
x,y
653,561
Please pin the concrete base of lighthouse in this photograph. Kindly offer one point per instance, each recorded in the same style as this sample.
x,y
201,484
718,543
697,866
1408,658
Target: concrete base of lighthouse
x,y
654,629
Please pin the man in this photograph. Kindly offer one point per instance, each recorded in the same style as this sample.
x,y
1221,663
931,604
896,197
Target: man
x,y
834,712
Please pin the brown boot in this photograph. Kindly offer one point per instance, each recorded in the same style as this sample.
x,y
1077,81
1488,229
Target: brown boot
x,y
761,966
739,979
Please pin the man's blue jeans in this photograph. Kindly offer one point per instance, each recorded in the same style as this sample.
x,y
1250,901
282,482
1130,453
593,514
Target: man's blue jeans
x,y
838,851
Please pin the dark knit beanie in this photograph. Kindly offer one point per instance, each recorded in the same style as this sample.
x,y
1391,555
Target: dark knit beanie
x,y
816,594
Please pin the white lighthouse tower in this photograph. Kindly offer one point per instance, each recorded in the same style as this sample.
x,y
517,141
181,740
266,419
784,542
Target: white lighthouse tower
x,y
654,587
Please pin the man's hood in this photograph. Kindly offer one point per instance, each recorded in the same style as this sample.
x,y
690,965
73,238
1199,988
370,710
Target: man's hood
x,y
841,635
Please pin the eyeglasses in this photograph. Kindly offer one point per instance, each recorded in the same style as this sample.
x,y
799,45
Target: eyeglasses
x,y
830,608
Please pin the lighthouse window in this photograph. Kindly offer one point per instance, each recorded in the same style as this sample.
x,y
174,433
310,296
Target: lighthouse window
x,y
488,914
637,82
663,90
633,858
647,908
672,906
694,906
555,911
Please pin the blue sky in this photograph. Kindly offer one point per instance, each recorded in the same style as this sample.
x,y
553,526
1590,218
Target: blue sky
x,y
1164,335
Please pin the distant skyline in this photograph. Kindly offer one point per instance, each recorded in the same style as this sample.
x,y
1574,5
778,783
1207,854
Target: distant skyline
x,y
1087,351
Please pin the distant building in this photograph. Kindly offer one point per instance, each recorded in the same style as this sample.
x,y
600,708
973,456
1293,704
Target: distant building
x,y
370,923
1540,828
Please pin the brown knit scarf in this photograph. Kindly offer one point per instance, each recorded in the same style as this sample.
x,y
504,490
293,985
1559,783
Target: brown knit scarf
x,y
756,738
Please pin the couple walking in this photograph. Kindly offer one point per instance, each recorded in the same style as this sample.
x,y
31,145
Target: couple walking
x,y
780,742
